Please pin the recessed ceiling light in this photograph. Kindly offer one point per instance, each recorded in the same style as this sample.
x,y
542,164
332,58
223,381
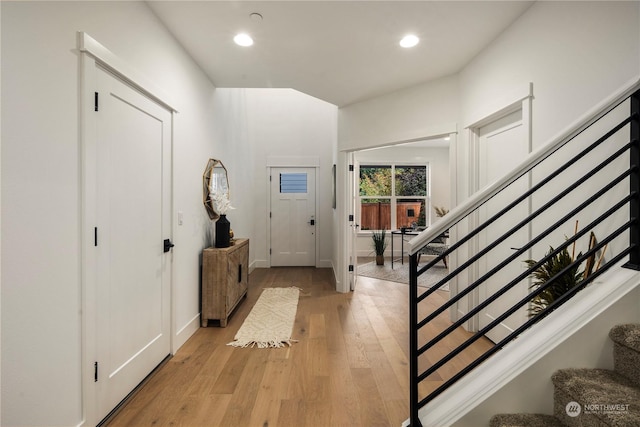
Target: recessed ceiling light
x,y
409,41
243,39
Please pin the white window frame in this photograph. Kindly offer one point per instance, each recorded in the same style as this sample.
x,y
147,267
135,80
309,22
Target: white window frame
x,y
393,198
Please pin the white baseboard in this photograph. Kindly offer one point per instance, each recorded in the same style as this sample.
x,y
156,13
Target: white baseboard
x,y
261,263
324,263
185,333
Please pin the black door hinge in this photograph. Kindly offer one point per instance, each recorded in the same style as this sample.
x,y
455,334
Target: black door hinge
x,y
351,218
350,166
351,267
95,236
95,101
95,372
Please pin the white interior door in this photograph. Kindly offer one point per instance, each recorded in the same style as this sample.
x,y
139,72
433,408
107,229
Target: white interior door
x,y
293,217
502,145
133,218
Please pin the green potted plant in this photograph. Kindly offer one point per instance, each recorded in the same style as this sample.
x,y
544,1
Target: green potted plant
x,y
379,244
545,272
570,279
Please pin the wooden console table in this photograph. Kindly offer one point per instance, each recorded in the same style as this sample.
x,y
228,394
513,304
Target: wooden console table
x,y
225,279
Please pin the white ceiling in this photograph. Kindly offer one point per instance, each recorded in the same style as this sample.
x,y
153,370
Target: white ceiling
x,y
338,51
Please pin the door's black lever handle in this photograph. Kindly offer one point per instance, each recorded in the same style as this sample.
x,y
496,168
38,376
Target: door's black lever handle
x,y
168,245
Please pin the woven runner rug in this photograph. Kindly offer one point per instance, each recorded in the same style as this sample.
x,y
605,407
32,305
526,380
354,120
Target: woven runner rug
x,y
270,322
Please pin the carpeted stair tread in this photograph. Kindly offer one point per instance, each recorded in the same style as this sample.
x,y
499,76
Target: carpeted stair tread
x,y
626,351
524,420
627,335
593,397
594,389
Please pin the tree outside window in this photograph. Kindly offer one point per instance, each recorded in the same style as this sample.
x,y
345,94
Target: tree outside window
x,y
393,196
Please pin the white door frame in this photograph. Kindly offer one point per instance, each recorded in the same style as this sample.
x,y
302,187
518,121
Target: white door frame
x,y
294,162
520,98
93,53
352,239
344,181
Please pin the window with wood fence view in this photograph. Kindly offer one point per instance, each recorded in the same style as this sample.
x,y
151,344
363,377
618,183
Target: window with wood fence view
x,y
393,196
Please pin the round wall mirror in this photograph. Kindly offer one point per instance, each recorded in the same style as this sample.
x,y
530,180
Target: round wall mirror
x,y
214,183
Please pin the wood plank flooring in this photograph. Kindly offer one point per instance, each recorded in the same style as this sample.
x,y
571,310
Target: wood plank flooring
x,y
348,368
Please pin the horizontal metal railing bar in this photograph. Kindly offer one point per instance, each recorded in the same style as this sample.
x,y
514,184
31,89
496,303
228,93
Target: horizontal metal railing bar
x,y
522,275
481,197
535,188
514,334
534,241
517,332
464,209
524,300
524,222
479,334
531,191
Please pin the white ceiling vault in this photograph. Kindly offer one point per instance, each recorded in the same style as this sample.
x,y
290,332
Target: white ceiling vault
x,y
339,51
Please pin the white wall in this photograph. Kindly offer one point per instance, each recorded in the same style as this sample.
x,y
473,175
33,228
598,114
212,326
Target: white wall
x,y
571,68
279,123
418,112
41,289
553,46
574,53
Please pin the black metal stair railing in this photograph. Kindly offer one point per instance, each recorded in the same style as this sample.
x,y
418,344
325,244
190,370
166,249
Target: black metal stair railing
x,y
609,196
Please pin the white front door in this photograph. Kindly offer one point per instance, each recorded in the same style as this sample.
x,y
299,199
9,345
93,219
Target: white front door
x,y
293,217
133,218
502,145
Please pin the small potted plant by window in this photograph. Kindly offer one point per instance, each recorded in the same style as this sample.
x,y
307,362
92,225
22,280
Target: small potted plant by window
x,y
379,244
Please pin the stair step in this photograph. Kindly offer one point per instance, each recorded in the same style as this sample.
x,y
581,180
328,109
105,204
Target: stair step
x,y
605,398
626,351
524,420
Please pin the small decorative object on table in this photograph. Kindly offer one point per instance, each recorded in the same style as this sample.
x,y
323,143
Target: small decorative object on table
x,y
222,232
223,227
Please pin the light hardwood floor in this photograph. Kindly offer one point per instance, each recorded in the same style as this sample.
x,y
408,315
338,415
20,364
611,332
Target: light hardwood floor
x,y
348,368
